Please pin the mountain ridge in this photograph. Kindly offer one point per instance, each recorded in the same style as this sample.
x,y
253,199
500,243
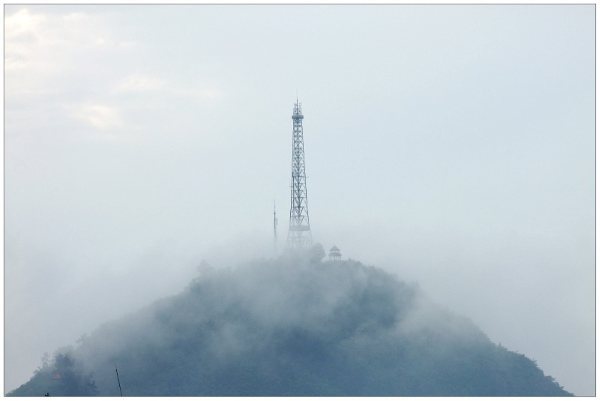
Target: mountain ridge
x,y
292,326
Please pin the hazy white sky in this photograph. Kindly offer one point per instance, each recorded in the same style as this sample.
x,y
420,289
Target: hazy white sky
x,y
453,145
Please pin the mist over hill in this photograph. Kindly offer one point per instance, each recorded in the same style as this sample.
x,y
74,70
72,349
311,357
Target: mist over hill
x,y
295,325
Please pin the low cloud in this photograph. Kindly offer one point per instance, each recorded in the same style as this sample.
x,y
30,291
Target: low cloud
x,y
23,31
99,116
37,40
147,83
140,83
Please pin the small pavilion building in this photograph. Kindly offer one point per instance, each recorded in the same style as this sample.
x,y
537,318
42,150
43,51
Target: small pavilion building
x,y
334,254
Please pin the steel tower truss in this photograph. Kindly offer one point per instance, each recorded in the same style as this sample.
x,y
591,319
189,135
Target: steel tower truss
x,y
299,235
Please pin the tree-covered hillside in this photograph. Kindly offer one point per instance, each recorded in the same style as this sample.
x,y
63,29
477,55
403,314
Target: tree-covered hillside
x,y
291,326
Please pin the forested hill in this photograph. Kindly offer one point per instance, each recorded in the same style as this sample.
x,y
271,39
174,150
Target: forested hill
x,y
291,326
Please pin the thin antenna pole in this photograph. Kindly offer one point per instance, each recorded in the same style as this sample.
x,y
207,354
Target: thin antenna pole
x,y
119,381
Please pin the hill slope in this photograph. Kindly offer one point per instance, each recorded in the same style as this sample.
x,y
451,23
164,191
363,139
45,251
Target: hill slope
x,y
291,326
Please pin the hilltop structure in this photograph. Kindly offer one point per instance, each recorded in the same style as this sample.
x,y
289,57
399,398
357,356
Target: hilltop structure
x,y
335,255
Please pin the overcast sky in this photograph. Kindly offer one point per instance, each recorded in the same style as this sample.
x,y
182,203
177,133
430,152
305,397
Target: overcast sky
x,y
452,145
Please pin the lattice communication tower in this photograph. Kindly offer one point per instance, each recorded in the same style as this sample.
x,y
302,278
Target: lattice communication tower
x,y
299,235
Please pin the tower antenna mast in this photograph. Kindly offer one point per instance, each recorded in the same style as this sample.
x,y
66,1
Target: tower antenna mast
x,y
299,235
